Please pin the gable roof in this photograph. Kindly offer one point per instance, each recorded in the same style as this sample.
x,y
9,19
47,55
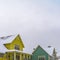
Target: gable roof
x,y
49,52
6,40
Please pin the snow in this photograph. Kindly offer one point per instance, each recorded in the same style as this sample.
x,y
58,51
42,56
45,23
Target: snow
x,y
9,39
4,40
49,50
26,50
2,48
13,50
18,51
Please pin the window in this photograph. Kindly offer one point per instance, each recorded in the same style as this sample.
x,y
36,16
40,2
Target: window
x,y
12,57
17,57
1,55
8,57
25,58
17,47
29,57
41,57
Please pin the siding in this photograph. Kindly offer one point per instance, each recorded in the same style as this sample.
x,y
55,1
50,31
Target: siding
x,y
39,52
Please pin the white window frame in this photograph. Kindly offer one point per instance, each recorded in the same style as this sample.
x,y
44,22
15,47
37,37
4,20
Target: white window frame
x,y
41,57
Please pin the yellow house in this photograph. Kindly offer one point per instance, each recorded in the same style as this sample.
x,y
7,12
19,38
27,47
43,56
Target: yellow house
x,y
11,48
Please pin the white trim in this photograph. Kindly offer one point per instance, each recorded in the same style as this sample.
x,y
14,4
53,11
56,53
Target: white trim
x,y
14,56
42,57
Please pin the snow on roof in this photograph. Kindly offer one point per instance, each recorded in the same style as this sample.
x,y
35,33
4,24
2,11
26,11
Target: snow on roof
x,y
7,39
4,40
30,51
13,50
26,50
18,51
46,49
10,38
49,50
2,48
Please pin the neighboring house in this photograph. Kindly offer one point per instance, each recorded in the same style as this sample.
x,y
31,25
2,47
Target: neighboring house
x,y
40,54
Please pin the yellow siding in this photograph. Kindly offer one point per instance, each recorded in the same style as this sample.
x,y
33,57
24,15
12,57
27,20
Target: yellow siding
x,y
7,46
1,58
16,41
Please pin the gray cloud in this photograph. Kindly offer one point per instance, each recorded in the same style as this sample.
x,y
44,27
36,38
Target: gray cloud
x,y
37,21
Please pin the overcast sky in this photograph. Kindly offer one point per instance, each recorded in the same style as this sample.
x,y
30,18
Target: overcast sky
x,y
37,21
